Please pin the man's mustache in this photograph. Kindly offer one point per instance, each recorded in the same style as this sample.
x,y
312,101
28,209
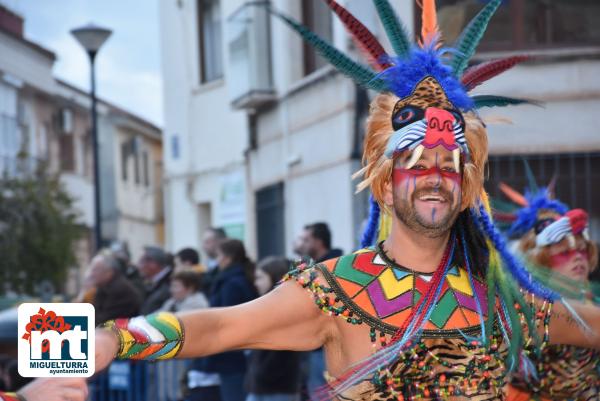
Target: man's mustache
x,y
444,193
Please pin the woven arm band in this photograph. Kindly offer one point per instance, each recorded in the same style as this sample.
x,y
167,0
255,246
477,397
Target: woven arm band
x,y
152,337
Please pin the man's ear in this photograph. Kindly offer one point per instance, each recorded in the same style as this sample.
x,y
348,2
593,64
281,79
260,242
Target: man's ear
x,y
388,193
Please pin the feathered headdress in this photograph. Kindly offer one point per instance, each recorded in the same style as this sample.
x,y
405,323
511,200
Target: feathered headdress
x,y
537,211
427,91
425,102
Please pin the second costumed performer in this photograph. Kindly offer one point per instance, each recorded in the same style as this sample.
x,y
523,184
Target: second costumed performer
x,y
434,308
555,240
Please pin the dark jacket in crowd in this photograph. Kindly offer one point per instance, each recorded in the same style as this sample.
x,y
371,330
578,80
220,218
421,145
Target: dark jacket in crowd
x,y
208,279
231,287
156,295
132,274
332,253
115,299
273,372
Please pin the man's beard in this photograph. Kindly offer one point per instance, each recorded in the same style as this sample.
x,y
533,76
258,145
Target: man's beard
x,y
405,211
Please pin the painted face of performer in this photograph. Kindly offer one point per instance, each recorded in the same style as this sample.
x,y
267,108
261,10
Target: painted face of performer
x,y
426,196
568,260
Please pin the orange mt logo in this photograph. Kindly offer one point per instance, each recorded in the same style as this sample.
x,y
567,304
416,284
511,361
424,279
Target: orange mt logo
x,y
42,322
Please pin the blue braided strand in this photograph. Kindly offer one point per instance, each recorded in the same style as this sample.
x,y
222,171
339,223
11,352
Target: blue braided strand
x,y
369,234
515,268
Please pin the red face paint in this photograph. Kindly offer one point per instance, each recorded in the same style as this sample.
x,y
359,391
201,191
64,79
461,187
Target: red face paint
x,y
401,174
562,258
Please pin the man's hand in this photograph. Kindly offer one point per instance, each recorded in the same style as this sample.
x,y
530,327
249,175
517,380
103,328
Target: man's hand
x,y
55,389
107,345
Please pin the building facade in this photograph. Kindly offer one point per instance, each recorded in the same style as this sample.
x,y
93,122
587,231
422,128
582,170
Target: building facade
x,y
293,127
204,138
48,121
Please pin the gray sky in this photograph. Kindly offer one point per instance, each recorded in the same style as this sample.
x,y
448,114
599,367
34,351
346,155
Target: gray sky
x,y
128,64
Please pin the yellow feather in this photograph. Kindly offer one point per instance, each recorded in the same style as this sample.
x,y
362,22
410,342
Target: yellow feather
x,y
385,226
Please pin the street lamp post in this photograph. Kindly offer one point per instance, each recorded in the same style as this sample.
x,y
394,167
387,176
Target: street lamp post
x,y
92,37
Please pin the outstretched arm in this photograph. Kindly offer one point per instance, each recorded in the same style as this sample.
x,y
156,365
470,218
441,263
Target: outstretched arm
x,y
285,318
565,328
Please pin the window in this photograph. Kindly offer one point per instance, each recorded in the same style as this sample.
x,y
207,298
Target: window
x,y
524,24
577,175
10,135
136,166
210,42
270,221
67,152
175,147
317,17
124,157
146,167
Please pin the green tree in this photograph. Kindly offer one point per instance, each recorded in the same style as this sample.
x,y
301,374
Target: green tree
x,y
38,230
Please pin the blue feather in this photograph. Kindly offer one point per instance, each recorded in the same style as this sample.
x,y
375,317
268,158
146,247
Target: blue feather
x,y
527,216
404,75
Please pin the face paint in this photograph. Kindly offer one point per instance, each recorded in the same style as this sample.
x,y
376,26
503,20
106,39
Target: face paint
x,y
429,205
401,174
565,257
568,260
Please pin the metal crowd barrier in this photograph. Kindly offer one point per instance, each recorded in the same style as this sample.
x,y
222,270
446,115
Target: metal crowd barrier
x,y
140,381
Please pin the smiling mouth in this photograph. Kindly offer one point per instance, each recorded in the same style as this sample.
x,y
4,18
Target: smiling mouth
x,y
432,198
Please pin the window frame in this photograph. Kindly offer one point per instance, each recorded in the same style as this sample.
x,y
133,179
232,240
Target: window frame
x,y
203,57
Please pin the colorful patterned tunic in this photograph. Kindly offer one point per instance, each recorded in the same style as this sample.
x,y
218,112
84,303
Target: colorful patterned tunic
x,y
446,363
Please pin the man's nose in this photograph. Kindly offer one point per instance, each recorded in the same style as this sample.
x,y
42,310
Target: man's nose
x,y
580,255
434,178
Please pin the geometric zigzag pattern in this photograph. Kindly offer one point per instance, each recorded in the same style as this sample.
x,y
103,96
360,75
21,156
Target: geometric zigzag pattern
x,y
388,293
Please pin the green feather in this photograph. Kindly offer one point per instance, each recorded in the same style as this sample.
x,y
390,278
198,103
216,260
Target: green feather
x,y
358,72
394,29
500,101
533,187
516,340
491,297
469,38
503,206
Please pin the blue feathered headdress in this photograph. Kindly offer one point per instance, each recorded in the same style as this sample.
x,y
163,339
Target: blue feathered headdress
x,y
414,61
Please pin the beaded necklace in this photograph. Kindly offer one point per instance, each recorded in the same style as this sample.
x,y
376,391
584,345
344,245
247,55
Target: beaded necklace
x,y
348,288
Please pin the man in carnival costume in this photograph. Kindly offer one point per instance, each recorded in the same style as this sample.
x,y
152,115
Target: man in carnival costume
x,y
555,240
433,310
